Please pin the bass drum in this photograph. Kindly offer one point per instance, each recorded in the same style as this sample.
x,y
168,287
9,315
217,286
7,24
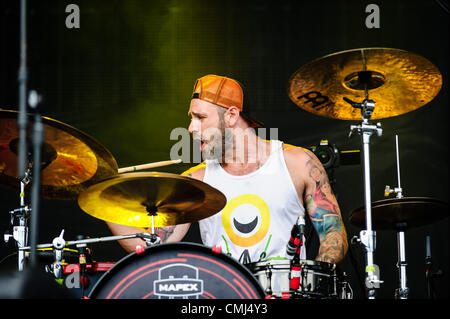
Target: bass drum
x,y
177,271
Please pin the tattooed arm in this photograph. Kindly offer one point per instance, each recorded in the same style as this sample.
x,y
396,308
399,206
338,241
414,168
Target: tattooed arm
x,y
167,234
323,209
313,188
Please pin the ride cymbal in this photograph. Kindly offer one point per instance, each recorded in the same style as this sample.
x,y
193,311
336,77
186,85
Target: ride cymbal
x,y
131,198
71,160
401,213
398,81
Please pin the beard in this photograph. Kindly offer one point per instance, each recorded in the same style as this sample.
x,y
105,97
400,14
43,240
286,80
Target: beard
x,y
219,142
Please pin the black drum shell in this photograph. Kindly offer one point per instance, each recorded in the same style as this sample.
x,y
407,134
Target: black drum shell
x,y
177,271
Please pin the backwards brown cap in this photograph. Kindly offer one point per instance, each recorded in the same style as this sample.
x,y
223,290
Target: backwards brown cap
x,y
224,92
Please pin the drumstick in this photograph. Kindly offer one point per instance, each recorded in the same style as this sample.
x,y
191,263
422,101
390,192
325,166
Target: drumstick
x,y
147,166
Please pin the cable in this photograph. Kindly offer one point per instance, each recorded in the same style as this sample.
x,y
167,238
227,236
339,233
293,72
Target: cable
x,y
4,258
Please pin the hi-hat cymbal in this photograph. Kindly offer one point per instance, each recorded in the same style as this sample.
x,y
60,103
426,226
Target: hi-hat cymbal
x,y
398,81
71,160
129,199
401,213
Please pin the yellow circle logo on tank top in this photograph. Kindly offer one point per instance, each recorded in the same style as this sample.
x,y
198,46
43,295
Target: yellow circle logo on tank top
x,y
238,232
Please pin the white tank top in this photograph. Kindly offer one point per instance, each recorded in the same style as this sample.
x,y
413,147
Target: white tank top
x,y
261,209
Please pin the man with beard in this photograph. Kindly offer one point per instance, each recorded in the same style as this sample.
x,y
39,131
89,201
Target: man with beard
x,y
268,184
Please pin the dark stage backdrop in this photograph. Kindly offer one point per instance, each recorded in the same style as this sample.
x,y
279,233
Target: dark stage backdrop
x,y
125,77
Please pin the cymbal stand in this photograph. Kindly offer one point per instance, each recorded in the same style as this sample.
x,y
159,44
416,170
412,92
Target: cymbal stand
x,y
153,238
58,244
367,236
83,251
429,274
20,232
403,291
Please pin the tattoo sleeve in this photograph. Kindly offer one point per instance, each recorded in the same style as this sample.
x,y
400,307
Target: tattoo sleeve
x,y
323,209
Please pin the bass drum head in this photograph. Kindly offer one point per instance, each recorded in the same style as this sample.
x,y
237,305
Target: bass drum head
x,y
177,271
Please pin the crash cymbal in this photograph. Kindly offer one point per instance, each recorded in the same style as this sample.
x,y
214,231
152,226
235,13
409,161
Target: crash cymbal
x,y
71,160
398,81
401,213
129,198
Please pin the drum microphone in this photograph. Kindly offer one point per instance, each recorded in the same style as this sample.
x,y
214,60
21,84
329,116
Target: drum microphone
x,y
428,247
294,244
293,241
82,260
294,250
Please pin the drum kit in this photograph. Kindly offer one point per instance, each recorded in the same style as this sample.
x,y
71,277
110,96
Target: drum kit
x,y
74,166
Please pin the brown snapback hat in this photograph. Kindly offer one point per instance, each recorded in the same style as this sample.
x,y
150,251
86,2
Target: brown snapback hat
x,y
224,92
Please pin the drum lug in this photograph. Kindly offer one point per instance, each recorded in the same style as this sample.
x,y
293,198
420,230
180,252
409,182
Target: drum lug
x,y
216,249
139,249
285,295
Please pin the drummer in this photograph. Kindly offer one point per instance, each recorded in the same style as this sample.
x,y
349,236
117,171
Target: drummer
x,y
267,183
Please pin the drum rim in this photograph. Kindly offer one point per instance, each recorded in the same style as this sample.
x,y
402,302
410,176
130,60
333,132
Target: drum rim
x,y
285,260
128,258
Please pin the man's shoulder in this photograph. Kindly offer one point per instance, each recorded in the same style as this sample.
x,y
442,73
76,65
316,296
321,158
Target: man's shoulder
x,y
197,172
292,152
